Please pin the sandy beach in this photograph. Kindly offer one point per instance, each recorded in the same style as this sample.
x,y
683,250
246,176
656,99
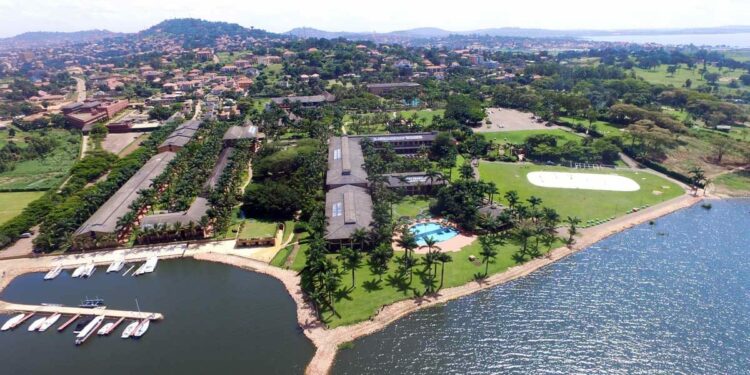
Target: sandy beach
x,y
325,340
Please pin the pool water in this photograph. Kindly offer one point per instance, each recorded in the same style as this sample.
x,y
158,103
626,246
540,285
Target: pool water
x,y
438,232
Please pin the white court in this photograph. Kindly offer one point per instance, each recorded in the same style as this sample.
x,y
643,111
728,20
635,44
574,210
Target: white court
x,y
586,181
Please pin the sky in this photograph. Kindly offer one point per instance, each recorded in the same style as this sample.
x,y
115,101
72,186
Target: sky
x,y
18,16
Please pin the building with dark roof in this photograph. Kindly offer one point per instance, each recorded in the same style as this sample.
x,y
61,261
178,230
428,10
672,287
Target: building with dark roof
x,y
382,88
348,208
345,163
219,167
180,136
102,225
305,101
84,115
404,143
237,133
413,182
193,214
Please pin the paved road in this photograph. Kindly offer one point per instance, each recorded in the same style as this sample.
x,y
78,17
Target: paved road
x,y
81,89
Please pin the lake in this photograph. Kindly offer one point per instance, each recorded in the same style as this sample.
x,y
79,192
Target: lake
x,y
218,319
739,40
673,297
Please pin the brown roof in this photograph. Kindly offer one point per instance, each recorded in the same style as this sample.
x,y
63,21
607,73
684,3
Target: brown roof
x,y
345,162
193,214
348,208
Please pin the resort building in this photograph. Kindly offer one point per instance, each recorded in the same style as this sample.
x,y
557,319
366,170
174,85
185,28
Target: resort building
x,y
304,101
348,208
346,180
219,168
180,136
189,219
237,133
84,115
345,163
101,229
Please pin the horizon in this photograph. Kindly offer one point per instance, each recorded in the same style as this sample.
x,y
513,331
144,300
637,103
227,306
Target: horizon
x,y
336,16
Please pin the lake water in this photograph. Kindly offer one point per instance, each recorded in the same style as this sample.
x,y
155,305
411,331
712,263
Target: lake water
x,y
218,320
669,298
740,40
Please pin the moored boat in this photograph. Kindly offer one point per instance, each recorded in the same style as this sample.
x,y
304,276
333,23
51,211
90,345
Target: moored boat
x,y
53,273
78,272
89,329
142,328
90,303
88,271
106,328
81,325
36,324
49,321
10,323
116,266
147,267
129,330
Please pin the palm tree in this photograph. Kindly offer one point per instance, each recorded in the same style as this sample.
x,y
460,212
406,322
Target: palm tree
x,y
350,260
359,236
512,197
572,229
488,252
443,258
492,190
534,201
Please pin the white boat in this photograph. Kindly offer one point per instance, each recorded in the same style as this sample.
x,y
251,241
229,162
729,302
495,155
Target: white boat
x,y
147,267
129,329
36,324
78,272
52,319
89,329
105,329
116,266
10,323
89,270
53,273
142,328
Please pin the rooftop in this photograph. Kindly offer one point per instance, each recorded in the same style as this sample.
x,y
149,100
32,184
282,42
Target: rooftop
x,y
345,162
104,220
348,208
193,214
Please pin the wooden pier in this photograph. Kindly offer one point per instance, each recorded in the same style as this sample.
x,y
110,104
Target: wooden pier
x,y
6,307
69,322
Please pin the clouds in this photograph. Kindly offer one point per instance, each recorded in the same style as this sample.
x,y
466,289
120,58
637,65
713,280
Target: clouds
x,y
17,16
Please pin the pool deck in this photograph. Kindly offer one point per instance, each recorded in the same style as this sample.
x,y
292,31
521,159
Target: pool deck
x,y
461,240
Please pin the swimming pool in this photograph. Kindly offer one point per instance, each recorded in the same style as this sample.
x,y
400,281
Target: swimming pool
x,y
438,232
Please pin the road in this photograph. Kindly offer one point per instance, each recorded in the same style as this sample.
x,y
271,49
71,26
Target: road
x,y
80,89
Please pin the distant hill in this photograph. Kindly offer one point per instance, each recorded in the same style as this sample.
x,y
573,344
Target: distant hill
x,y
51,38
200,33
428,32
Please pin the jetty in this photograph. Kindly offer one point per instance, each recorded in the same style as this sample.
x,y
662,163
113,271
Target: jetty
x,y
6,307
69,322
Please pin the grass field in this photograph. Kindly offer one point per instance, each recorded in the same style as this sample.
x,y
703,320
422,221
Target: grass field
x,y
254,228
44,173
411,206
603,127
738,183
586,204
370,293
660,76
11,204
520,136
423,114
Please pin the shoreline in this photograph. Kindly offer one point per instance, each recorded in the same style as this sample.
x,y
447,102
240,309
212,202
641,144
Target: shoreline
x,y
327,341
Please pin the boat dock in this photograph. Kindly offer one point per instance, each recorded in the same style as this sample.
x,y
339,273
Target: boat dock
x,y
6,307
69,322
114,327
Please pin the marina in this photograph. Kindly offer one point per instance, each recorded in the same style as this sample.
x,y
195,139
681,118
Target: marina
x,y
185,340
53,273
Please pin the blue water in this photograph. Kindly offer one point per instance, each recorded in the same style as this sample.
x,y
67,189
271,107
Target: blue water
x,y
741,40
438,232
672,298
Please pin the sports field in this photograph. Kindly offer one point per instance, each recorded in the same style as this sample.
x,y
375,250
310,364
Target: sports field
x,y
586,204
11,204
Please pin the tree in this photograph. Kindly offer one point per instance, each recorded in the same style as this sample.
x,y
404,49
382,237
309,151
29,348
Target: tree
x,y
443,258
359,236
464,110
512,197
572,228
672,69
721,145
350,260
697,178
712,77
466,171
488,252
379,259
688,83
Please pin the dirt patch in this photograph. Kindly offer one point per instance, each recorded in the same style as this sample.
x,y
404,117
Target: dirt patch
x,y
116,142
505,120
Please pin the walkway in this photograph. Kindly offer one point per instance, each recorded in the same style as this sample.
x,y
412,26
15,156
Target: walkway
x,y
6,307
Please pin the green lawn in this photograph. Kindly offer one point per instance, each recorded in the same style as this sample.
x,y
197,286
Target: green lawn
x,y
737,182
520,136
370,294
659,75
411,206
586,204
280,258
11,204
44,173
254,228
18,139
603,127
425,114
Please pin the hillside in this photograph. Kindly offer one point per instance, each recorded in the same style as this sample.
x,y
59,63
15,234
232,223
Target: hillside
x,y
50,38
200,33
